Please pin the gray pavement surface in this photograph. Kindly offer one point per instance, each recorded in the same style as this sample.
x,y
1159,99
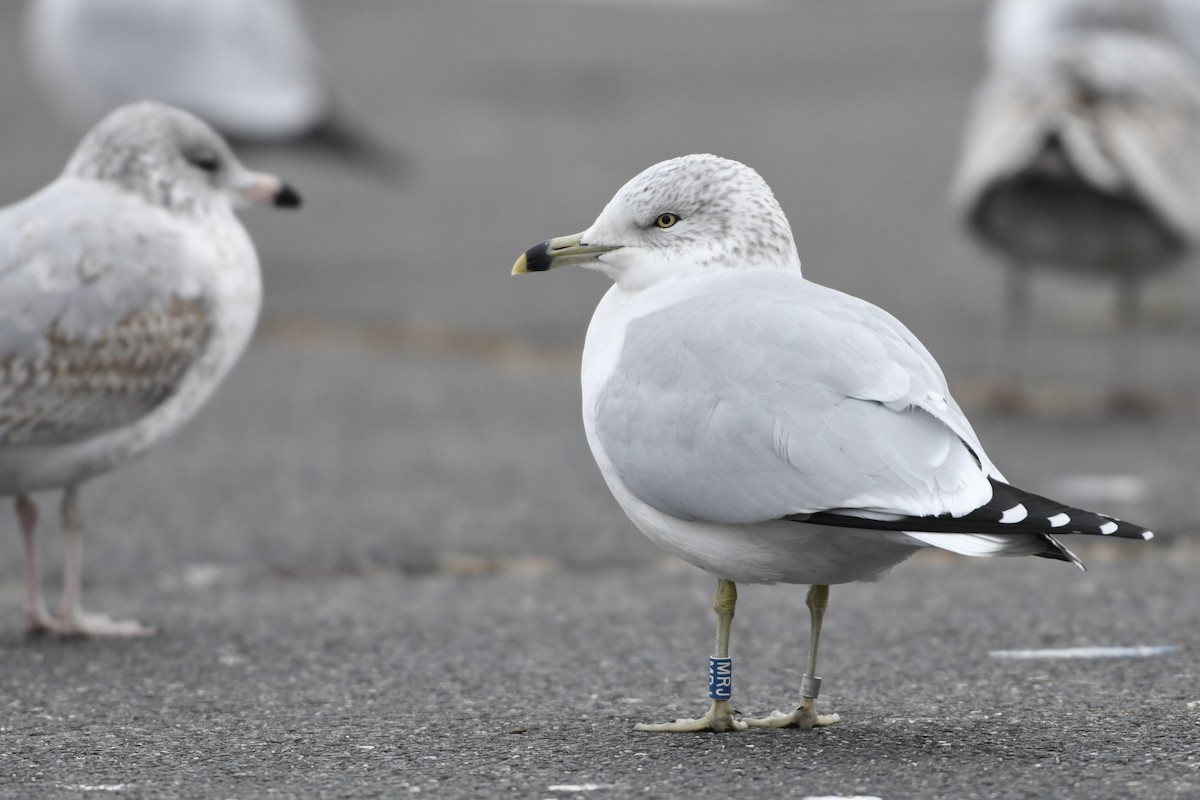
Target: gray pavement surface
x,y
511,685
382,561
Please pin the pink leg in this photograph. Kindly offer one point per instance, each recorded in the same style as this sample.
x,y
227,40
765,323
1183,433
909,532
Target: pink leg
x,y
73,572
37,618
1126,394
72,619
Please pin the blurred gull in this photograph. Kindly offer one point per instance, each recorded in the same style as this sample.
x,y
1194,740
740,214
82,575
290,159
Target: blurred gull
x,y
1083,153
1185,23
765,428
128,289
247,67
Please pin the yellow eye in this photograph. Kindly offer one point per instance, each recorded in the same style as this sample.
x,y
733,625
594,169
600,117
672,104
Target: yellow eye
x,y
666,220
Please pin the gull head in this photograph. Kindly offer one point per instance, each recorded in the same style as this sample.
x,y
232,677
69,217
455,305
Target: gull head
x,y
171,158
685,216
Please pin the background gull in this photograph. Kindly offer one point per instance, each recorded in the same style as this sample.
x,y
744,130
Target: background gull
x,y
247,67
1083,153
1184,19
128,289
767,429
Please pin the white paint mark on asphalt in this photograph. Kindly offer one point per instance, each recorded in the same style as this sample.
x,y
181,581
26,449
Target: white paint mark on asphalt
x,y
1087,652
99,787
578,787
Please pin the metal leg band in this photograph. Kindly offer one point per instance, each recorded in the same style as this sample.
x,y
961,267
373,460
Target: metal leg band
x,y
810,686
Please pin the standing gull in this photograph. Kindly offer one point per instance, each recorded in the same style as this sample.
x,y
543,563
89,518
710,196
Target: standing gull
x,y
1082,153
128,289
767,429
247,67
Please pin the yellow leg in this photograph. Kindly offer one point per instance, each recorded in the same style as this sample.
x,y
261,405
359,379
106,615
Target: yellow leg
x,y
806,715
720,716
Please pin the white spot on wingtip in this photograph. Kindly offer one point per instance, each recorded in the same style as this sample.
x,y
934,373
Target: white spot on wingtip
x,y
1108,527
1015,514
1147,535
1088,652
1058,520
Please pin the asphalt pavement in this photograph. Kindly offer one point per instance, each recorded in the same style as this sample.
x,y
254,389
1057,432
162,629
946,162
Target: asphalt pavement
x,y
382,562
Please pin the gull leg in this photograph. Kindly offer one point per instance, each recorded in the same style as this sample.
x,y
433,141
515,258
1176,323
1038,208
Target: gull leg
x,y
73,620
1125,394
720,714
1006,394
37,618
806,715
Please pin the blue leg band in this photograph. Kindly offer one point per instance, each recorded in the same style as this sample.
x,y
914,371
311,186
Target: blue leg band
x,y
720,678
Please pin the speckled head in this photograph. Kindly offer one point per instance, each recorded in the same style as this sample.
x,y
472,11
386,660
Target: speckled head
x,y
696,212
172,159
691,214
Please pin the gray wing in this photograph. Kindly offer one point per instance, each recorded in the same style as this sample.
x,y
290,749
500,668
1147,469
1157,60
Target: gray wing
x,y
98,322
766,396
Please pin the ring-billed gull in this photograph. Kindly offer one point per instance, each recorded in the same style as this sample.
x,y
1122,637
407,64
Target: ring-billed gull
x,y
1083,153
249,68
768,429
128,289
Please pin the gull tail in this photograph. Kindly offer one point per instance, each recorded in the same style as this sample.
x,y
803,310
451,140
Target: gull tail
x,y
340,139
983,545
1012,522
337,136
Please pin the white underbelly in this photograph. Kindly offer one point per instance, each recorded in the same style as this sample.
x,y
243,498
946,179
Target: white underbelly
x,y
37,467
771,552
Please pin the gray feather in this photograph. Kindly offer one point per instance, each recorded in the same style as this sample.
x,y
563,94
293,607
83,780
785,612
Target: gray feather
x,y
765,395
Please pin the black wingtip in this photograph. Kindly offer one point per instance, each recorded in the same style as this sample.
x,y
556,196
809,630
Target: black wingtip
x,y
1055,549
287,197
1021,509
338,140
1009,511
339,137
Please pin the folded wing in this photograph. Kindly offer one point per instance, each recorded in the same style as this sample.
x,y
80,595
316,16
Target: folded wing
x,y
98,323
764,396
